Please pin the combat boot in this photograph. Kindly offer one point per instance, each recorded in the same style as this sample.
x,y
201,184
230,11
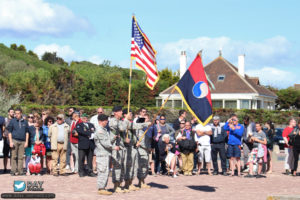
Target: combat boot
x,y
126,187
104,192
117,188
132,187
143,185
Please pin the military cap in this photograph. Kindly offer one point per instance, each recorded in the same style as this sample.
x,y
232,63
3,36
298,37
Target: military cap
x,y
117,108
125,111
84,115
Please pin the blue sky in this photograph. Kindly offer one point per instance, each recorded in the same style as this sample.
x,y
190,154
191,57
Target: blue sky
x,y
267,32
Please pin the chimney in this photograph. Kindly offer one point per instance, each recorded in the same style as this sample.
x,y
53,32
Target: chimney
x,y
182,63
241,65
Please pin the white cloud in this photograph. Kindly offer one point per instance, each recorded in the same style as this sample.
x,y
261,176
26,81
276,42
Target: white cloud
x,y
274,77
66,52
276,52
37,17
95,59
270,51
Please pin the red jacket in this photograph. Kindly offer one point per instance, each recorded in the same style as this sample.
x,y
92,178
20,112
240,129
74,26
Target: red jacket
x,y
74,139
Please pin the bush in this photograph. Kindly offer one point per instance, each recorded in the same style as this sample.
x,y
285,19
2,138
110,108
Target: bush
x,y
7,101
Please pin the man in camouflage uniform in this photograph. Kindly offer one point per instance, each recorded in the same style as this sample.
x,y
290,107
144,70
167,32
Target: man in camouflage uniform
x,y
131,159
117,128
144,148
103,153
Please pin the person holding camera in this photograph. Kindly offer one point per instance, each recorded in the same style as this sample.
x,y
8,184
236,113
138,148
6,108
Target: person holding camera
x,y
234,142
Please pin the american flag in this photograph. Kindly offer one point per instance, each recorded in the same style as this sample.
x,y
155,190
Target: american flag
x,y
144,54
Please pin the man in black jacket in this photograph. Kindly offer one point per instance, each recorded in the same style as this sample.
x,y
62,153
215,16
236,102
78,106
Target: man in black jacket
x,y
218,145
86,145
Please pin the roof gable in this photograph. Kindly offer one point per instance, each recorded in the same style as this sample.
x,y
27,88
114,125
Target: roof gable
x,y
233,82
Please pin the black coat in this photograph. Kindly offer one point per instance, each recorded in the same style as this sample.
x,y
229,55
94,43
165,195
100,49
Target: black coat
x,y
84,133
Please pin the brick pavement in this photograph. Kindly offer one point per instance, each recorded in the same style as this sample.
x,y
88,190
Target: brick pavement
x,y
200,187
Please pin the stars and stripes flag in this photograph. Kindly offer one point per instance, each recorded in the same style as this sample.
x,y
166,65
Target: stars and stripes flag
x,y
144,54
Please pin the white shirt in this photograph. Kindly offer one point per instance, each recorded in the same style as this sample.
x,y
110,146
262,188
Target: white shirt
x,y
205,139
94,121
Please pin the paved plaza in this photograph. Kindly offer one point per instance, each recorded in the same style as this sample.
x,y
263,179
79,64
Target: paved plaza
x,y
183,187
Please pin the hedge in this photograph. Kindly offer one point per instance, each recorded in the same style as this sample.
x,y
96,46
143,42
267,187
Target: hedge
x,y
278,117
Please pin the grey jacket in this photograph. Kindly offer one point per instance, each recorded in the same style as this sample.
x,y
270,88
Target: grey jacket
x,y
102,142
117,127
146,141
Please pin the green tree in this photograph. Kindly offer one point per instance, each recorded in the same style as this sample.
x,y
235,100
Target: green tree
x,y
13,46
288,98
52,58
32,54
22,48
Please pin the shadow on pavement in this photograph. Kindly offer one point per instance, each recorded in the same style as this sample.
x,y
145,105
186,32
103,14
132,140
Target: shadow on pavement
x,y
204,188
156,185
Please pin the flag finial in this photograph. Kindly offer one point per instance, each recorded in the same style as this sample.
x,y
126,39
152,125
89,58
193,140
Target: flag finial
x,y
200,53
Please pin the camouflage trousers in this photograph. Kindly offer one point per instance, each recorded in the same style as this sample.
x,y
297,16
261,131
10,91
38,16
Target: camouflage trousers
x,y
130,163
102,170
118,165
143,163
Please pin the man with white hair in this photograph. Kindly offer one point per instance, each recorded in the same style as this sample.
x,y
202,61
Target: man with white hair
x,y
167,153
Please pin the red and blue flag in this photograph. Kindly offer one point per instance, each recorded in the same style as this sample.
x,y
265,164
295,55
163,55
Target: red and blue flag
x,y
194,90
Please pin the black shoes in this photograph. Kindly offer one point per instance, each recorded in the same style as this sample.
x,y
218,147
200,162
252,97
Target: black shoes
x,y
224,174
92,174
215,173
249,176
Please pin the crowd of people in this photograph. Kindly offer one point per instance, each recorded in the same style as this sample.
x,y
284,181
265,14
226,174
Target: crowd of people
x,y
134,146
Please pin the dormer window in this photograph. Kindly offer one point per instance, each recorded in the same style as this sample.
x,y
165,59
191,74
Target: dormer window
x,y
221,77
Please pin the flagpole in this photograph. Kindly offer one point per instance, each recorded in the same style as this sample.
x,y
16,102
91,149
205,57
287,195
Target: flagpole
x,y
162,106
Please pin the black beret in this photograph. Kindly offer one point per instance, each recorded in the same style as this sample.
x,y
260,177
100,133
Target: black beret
x,y
102,117
125,111
117,108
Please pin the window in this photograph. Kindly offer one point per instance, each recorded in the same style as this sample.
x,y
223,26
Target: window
x,y
221,77
159,102
244,104
169,104
217,103
230,104
258,104
177,103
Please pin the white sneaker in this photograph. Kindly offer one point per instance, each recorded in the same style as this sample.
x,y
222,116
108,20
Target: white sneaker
x,y
175,176
73,170
67,167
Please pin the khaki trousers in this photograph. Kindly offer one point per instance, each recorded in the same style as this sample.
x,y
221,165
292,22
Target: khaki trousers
x,y
17,154
61,154
187,162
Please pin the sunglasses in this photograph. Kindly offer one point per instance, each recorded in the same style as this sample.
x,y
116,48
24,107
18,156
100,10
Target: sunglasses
x,y
100,112
59,118
162,119
31,117
50,122
43,113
